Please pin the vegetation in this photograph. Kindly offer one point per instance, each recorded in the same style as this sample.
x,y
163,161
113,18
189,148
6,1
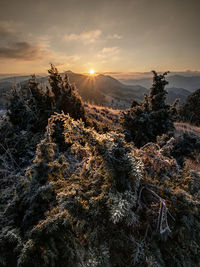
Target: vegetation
x,y
153,117
34,105
75,195
190,110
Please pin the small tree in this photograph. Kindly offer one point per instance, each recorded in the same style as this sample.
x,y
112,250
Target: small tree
x,y
66,98
31,106
153,117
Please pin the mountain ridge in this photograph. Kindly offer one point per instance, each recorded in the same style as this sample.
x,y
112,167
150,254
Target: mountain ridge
x,y
190,83
103,89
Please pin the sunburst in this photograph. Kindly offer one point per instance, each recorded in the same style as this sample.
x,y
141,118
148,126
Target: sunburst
x,y
92,72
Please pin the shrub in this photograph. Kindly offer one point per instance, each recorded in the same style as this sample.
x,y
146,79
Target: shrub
x,y
28,111
30,107
153,117
67,208
190,110
66,97
185,147
91,198
92,204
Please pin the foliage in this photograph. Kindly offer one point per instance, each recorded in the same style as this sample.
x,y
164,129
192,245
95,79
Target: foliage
x,y
97,177
153,117
186,145
66,98
72,195
95,204
28,111
190,110
30,107
158,161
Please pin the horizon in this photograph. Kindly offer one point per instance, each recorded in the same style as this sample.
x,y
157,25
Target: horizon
x,y
116,75
105,36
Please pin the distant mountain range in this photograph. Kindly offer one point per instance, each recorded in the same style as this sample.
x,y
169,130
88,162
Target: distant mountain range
x,y
174,93
106,90
98,89
190,83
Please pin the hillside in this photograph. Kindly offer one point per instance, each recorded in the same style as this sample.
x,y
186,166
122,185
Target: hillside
x,y
105,90
177,93
98,89
77,189
101,89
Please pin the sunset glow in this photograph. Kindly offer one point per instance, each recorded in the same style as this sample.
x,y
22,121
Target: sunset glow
x,y
92,72
117,41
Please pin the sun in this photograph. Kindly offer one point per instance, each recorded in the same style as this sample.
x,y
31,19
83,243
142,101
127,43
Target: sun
x,y
92,72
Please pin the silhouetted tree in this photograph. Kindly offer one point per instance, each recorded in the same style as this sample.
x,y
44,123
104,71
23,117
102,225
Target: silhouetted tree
x,y
66,97
153,117
31,106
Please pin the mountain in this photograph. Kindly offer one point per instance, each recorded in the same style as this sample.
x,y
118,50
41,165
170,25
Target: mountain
x,y
190,83
108,91
98,89
174,93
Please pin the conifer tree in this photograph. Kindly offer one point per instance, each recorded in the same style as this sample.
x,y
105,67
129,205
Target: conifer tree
x,y
30,106
153,117
66,98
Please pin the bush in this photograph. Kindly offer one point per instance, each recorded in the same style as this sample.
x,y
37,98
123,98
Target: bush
x,y
153,117
91,199
28,111
30,107
67,207
92,204
186,146
190,110
66,97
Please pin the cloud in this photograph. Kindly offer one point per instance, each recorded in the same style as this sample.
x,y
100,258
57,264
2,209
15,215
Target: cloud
x,y
5,29
13,46
65,61
86,37
108,52
22,50
114,36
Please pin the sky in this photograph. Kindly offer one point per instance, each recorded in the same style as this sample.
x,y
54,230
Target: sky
x,y
104,35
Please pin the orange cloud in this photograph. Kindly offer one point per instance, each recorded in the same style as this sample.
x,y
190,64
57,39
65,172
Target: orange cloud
x,y
86,37
108,51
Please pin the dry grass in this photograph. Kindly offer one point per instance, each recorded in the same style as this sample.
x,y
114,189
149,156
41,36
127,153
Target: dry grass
x,y
193,164
183,127
103,114
155,162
